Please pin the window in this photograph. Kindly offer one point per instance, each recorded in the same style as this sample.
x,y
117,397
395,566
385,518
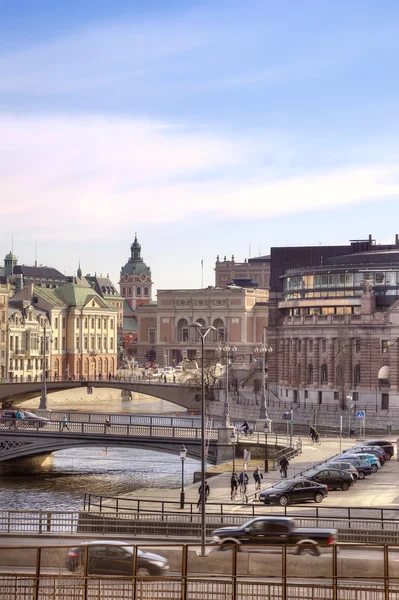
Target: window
x,y
324,345
151,336
105,323
146,291
299,345
55,343
123,292
286,393
112,323
310,345
138,291
63,322
11,343
105,342
92,342
129,292
306,394
77,342
357,374
56,323
310,374
339,375
86,322
92,323
336,395
63,343
384,401
385,346
357,346
86,343
324,374
99,342
77,323
99,323
111,343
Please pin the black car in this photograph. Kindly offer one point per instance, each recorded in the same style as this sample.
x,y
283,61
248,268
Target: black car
x,y
115,558
29,419
362,466
334,479
293,490
387,446
263,532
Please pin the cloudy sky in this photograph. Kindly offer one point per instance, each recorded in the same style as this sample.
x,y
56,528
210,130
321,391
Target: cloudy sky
x,y
208,127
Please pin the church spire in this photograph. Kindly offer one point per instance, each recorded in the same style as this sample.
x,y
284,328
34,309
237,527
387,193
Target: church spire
x,y
79,271
135,249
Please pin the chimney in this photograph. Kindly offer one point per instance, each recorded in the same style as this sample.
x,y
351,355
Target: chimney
x,y
396,240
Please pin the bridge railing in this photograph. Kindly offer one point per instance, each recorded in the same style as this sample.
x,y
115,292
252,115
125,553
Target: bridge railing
x,y
99,379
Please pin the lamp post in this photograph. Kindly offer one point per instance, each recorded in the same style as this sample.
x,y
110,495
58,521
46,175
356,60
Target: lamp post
x,y
263,349
376,399
226,348
203,332
349,399
233,439
183,454
43,397
266,429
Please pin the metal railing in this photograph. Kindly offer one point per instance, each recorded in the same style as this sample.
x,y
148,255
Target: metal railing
x,y
42,573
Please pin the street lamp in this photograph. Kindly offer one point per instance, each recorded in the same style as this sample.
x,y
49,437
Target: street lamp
x,y
233,439
183,454
43,397
263,349
349,398
203,332
266,429
226,348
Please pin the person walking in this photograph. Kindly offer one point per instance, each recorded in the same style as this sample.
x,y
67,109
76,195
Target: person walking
x,y
234,485
107,422
207,493
284,464
65,423
257,478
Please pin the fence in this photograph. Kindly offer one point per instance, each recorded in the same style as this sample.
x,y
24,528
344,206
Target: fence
x,y
42,573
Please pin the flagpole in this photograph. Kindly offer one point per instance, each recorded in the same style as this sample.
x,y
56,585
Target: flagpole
x,y
202,274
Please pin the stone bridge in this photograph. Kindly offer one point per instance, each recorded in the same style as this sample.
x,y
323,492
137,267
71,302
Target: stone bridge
x,y
26,441
187,396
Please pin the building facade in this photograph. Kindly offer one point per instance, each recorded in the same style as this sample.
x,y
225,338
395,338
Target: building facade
x,y
136,289
4,295
254,272
28,328
335,327
239,316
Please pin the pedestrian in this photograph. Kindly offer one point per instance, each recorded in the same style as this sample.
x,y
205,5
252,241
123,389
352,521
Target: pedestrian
x,y
174,378
109,376
65,423
107,422
284,464
207,493
19,414
243,479
13,421
164,379
234,485
257,477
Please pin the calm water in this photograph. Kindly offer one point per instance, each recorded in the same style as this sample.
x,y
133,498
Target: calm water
x,y
62,484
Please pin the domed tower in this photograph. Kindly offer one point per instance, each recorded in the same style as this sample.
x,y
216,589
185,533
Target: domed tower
x,y
135,280
10,262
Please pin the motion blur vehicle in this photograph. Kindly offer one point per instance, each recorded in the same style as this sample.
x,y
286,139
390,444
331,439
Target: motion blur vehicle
x,y
333,478
343,466
293,490
115,558
28,419
387,446
362,466
261,533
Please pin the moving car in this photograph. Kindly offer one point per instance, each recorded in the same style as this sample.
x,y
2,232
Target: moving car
x,y
293,490
362,466
333,478
115,558
268,531
28,419
387,446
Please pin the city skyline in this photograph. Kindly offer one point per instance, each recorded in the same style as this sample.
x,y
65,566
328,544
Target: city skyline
x,y
206,129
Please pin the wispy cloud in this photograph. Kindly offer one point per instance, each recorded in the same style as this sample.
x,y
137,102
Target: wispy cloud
x,y
65,178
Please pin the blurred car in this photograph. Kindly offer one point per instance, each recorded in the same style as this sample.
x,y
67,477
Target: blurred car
x,y
115,558
376,450
293,490
362,466
8,417
343,466
370,458
387,446
333,478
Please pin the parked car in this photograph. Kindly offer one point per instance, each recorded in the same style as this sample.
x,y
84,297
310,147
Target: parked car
x,y
293,490
387,446
370,458
343,466
376,450
268,531
362,466
333,478
28,419
115,558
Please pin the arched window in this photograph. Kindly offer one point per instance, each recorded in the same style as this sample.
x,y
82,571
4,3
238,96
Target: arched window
x,y
182,330
310,373
357,374
129,291
138,291
146,291
324,374
339,375
219,334
106,366
202,322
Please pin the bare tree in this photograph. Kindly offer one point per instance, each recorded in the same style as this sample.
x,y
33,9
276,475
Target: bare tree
x,y
212,378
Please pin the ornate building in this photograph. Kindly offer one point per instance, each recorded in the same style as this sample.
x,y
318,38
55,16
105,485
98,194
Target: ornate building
x,y
254,272
335,327
239,315
4,294
136,289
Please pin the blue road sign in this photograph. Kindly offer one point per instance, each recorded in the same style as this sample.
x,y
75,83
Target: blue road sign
x,y
360,414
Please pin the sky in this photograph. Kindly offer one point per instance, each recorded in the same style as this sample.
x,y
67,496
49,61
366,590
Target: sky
x,y
212,127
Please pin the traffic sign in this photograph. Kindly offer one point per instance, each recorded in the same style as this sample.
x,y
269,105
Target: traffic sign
x,y
292,422
360,414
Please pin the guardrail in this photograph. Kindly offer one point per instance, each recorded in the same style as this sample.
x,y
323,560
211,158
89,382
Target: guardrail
x,y
40,573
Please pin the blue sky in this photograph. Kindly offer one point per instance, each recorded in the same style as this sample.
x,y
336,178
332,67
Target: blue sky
x,y
206,127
